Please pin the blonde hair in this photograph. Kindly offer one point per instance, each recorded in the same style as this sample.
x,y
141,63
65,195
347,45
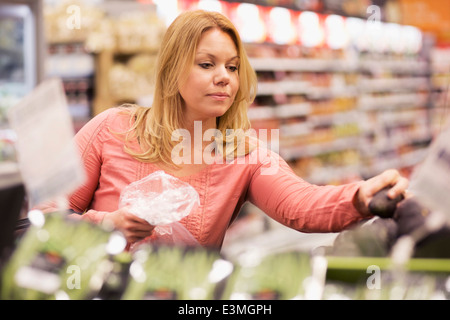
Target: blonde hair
x,y
153,127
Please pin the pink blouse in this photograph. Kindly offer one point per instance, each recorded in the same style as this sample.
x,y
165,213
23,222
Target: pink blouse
x,y
266,181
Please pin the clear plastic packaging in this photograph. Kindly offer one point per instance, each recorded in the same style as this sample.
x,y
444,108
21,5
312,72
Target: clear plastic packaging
x,y
162,200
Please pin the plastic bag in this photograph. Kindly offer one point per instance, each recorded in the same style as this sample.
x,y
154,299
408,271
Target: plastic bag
x,y
162,200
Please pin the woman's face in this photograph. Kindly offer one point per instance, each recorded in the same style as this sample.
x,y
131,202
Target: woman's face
x,y
213,81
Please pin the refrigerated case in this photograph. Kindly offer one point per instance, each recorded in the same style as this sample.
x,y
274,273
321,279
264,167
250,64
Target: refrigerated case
x,y
21,69
21,50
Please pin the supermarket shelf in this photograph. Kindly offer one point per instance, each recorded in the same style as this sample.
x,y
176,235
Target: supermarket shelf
x,y
292,110
336,118
283,87
376,104
406,160
293,87
324,175
319,148
392,101
303,64
393,84
336,65
410,67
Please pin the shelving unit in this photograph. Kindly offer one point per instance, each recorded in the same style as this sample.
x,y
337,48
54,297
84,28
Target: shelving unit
x,y
109,60
440,81
350,115
313,102
70,62
125,57
123,77
345,108
396,100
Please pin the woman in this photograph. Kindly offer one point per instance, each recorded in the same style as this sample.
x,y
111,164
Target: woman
x,y
204,82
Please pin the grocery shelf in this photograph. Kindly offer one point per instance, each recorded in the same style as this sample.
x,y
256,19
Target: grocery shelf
x,y
303,64
339,65
401,66
393,84
331,101
319,148
392,101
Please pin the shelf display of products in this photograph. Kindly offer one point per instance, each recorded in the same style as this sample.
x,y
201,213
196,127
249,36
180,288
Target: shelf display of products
x,y
106,62
354,88
67,57
125,60
328,83
342,86
76,68
440,80
314,107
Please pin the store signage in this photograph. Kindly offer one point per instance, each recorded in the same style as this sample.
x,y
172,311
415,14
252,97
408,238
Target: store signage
x,y
48,160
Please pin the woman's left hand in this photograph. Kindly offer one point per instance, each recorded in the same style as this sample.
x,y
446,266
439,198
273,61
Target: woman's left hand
x,y
389,178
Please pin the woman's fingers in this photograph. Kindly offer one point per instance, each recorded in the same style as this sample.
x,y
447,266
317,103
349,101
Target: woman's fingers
x,y
133,236
399,188
139,223
390,178
136,228
139,227
132,227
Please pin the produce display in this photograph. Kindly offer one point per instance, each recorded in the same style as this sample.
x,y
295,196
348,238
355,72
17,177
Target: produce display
x,y
277,276
396,218
59,258
378,247
164,272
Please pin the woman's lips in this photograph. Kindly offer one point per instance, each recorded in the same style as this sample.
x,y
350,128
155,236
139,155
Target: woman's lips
x,y
219,96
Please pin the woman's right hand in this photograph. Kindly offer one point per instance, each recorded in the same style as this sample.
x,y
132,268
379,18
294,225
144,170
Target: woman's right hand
x,y
133,228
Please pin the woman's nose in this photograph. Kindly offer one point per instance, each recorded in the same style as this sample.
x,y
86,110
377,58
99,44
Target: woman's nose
x,y
222,76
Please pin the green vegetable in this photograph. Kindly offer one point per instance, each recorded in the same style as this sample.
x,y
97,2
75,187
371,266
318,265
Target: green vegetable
x,y
64,258
278,276
171,272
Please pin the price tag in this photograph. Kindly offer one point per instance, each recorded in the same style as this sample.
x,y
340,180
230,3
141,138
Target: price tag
x,y
431,180
48,159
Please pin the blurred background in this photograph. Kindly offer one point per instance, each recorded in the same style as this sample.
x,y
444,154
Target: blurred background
x,y
354,86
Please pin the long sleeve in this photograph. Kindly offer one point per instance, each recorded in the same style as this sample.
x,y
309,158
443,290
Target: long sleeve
x,y
292,201
89,142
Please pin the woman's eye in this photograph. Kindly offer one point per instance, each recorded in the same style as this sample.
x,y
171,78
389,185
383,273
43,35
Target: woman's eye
x,y
233,68
205,65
